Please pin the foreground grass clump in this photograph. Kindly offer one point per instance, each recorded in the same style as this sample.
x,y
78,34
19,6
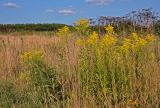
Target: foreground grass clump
x,y
37,86
88,71
43,79
7,94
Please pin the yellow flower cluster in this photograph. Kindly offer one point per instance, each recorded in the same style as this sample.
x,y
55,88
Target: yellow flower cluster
x,y
93,38
108,41
152,56
79,42
139,44
126,45
150,38
136,42
27,56
135,36
82,22
63,31
82,26
109,28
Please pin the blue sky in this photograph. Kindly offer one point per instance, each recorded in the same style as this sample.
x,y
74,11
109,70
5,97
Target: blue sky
x,y
67,11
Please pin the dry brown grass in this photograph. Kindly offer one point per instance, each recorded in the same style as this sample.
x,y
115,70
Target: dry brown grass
x,y
11,47
63,56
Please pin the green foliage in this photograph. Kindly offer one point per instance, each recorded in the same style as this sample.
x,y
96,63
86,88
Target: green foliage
x,y
44,79
82,26
8,94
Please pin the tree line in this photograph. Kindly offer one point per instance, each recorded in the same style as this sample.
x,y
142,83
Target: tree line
x,y
29,27
144,20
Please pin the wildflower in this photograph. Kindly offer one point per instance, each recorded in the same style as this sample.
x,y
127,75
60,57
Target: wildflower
x,y
93,39
126,45
82,22
108,41
139,44
150,38
142,42
82,26
135,36
63,31
79,42
109,28
152,56
28,56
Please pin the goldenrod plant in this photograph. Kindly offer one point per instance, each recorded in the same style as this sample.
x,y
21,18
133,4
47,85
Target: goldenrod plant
x,y
108,69
82,26
63,32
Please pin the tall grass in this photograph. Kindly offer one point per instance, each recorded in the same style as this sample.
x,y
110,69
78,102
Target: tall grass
x,y
71,71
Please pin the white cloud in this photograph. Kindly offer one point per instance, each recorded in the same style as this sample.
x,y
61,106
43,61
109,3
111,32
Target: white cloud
x,y
98,2
66,11
10,5
49,10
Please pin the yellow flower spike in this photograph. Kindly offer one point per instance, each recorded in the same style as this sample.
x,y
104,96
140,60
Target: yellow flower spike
x,y
127,41
82,26
150,38
152,56
27,56
109,28
135,36
126,45
79,42
63,31
82,22
138,44
107,41
142,42
93,38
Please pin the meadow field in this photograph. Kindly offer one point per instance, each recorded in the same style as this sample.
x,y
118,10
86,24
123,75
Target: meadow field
x,y
80,69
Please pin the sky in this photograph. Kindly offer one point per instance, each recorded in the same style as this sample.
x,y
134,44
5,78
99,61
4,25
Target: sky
x,y
67,11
